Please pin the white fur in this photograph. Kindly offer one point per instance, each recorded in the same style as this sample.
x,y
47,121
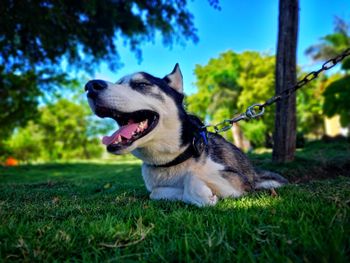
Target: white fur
x,y
197,192
193,178
267,184
168,193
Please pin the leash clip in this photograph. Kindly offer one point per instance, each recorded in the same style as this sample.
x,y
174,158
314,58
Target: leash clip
x,y
251,112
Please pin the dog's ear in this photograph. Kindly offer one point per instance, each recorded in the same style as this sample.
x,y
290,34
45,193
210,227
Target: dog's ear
x,y
174,79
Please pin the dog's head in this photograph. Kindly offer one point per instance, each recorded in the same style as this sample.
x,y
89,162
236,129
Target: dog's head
x,y
145,107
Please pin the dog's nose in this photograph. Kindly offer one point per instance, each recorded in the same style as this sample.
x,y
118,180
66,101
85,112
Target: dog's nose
x,y
95,85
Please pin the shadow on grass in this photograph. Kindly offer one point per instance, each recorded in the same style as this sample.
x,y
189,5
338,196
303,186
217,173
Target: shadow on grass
x,y
70,171
317,160
75,179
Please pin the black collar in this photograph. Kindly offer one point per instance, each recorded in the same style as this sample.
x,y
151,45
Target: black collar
x,y
195,149
187,154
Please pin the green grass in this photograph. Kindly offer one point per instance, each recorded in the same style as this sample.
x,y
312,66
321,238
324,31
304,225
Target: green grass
x,y
94,212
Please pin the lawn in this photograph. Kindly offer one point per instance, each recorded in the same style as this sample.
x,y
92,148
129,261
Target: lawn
x,y
100,212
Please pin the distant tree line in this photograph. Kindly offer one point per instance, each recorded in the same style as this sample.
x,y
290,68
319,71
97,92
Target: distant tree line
x,y
64,130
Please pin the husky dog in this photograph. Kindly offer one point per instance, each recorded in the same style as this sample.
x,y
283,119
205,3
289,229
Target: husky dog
x,y
181,161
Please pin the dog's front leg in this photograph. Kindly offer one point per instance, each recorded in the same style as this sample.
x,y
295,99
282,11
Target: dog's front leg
x,y
168,193
197,192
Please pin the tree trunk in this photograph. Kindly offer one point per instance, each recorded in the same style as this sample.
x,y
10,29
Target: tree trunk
x,y
238,137
285,120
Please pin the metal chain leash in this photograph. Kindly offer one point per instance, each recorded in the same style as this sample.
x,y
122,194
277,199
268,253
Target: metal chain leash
x,y
258,109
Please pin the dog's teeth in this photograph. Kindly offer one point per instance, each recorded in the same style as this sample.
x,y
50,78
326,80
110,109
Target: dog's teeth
x,y
143,125
119,139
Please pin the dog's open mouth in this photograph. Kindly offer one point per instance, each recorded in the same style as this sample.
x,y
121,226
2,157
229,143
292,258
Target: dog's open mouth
x,y
133,126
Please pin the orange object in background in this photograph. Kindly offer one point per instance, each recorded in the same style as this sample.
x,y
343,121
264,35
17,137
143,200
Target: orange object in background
x,y
11,162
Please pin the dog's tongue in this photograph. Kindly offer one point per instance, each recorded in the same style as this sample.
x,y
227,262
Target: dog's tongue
x,y
124,131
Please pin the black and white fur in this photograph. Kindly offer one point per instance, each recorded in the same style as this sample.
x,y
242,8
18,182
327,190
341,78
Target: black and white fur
x,y
221,171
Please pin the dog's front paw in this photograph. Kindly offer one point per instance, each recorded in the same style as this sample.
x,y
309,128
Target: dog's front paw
x,y
201,201
198,193
213,200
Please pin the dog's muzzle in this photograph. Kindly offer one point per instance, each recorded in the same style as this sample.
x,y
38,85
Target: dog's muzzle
x,y
93,87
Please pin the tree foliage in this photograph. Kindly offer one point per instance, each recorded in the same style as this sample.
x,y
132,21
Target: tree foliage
x,y
257,82
38,33
16,94
62,131
227,85
310,118
218,88
337,92
20,93
26,143
38,37
336,98
230,83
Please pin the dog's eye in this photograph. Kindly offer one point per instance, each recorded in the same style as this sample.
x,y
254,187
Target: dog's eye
x,y
140,85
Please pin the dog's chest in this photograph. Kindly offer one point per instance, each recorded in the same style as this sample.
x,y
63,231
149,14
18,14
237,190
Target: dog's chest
x,y
175,176
166,177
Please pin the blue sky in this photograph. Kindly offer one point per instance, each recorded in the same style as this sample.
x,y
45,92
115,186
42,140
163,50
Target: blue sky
x,y
239,26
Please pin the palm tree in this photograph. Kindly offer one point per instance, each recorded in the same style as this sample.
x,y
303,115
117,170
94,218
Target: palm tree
x,y
331,44
336,94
